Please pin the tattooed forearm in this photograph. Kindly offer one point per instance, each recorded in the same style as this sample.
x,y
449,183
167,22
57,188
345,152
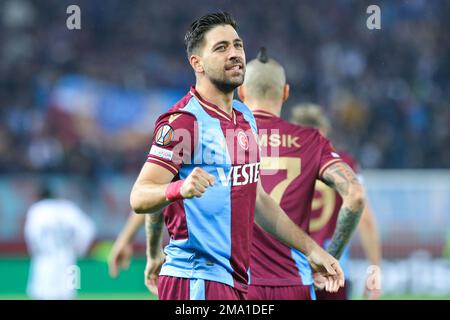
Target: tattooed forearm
x,y
153,231
345,226
342,178
153,222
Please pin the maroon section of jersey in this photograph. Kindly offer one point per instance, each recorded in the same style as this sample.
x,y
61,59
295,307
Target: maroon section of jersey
x,y
292,158
326,205
243,199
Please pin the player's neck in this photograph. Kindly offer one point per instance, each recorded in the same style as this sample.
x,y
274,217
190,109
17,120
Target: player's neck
x,y
210,93
268,106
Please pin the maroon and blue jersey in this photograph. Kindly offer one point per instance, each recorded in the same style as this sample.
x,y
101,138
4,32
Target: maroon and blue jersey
x,y
210,236
292,158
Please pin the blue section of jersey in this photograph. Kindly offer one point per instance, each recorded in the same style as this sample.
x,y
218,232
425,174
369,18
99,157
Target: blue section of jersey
x,y
207,251
248,115
303,266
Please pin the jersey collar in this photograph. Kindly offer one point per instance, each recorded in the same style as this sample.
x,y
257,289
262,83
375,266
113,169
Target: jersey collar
x,y
209,106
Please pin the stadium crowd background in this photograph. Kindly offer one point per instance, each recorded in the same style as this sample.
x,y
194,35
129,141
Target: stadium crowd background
x,y
78,106
386,91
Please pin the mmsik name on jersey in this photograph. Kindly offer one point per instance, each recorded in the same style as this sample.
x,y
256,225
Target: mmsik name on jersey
x,y
275,140
239,175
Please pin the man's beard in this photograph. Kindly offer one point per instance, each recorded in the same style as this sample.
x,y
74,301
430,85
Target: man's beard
x,y
226,85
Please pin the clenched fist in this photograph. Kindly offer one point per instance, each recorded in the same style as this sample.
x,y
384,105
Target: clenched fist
x,y
196,183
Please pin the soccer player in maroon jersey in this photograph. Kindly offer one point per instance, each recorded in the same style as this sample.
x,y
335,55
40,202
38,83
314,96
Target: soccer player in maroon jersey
x,y
325,210
293,157
203,169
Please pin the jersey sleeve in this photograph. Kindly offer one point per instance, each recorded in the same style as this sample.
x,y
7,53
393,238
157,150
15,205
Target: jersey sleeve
x,y
173,141
328,155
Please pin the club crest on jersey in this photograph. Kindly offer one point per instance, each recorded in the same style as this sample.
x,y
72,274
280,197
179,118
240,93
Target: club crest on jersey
x,y
243,140
164,136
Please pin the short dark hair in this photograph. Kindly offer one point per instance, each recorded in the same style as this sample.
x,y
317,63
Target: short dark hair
x,y
45,191
194,36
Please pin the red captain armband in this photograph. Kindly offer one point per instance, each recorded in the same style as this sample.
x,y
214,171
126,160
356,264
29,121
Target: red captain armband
x,y
173,191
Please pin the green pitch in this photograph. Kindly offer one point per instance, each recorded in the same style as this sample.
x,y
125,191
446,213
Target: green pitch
x,y
92,296
97,285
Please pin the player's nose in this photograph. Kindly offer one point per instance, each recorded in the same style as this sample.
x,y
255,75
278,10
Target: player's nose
x,y
233,60
236,55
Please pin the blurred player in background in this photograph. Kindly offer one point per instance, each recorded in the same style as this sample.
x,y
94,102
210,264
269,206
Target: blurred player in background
x,y
327,204
57,232
303,155
203,168
122,250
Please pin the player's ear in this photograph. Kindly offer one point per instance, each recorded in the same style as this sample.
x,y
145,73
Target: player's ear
x,y
285,92
196,63
241,93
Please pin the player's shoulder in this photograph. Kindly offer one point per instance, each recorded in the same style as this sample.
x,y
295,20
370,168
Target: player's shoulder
x,y
34,210
177,114
240,106
247,113
176,118
47,207
244,109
